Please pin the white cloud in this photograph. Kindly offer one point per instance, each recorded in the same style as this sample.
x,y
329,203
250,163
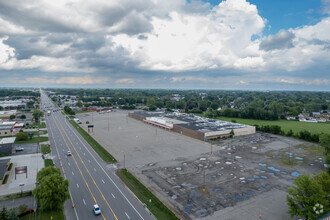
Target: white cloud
x,y
126,80
79,80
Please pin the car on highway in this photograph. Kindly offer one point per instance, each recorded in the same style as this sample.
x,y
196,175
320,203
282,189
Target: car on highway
x,y
68,153
19,148
96,209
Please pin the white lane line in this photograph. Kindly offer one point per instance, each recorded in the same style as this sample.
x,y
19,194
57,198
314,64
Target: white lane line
x,y
113,195
103,181
84,153
69,164
94,169
70,127
72,173
77,185
89,161
84,201
127,215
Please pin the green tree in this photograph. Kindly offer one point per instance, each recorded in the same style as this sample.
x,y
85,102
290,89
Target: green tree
x,y
79,104
4,214
30,104
37,114
12,117
52,190
12,215
21,136
324,141
303,195
22,117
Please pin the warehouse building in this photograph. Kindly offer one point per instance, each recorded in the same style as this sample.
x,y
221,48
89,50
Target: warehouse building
x,y
7,145
191,125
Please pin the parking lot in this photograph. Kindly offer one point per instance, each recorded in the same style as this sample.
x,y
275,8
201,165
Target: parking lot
x,y
241,176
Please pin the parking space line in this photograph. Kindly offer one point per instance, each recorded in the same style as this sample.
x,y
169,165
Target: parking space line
x,y
113,195
103,181
127,215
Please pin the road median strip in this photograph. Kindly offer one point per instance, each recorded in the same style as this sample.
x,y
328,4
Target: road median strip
x,y
155,206
103,153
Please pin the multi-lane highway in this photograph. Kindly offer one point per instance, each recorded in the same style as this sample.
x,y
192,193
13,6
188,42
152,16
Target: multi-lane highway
x,y
91,182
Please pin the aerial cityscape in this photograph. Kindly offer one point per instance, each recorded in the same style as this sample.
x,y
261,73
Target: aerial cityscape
x,y
179,109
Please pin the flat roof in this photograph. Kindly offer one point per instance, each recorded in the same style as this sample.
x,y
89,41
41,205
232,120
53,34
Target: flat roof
x,y
5,127
193,122
9,140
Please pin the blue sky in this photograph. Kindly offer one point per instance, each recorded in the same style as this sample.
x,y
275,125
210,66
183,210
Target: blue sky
x,y
229,44
286,14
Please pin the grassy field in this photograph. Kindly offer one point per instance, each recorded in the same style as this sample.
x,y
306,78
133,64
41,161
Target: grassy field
x,y
296,126
33,140
56,215
158,209
45,149
41,132
80,112
42,125
103,153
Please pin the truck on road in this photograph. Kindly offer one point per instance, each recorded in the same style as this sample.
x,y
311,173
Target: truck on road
x,y
48,113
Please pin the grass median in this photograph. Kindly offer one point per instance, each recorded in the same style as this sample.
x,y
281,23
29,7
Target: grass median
x,y
158,209
103,153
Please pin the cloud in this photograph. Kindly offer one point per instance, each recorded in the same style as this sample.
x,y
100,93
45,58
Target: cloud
x,y
282,40
79,80
174,41
126,80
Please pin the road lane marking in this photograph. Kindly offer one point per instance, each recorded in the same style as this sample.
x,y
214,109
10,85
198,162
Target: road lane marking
x,y
103,181
77,185
94,169
127,215
84,201
72,173
59,124
84,153
69,164
113,195
74,132
89,161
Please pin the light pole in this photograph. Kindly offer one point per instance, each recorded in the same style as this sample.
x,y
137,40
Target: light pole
x,y
124,160
109,122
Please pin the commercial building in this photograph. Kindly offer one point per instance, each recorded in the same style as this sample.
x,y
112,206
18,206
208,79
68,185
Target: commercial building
x,y
191,125
13,104
7,114
7,145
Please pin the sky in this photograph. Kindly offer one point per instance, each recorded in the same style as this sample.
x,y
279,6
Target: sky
x,y
174,44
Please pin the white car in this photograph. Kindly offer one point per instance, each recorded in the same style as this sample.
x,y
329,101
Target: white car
x,y
19,148
68,153
96,209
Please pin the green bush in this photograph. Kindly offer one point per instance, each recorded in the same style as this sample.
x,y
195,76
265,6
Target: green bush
x,y
21,136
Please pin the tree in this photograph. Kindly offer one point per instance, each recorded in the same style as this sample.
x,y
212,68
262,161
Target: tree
x,y
12,215
37,114
4,213
303,195
23,117
12,117
79,104
324,141
21,136
52,190
30,104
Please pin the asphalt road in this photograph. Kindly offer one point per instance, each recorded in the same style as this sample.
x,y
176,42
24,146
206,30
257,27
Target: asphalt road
x,y
91,180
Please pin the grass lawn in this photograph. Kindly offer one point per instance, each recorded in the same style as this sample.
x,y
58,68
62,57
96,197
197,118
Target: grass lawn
x,y
57,215
49,162
15,196
80,112
41,132
45,149
296,126
33,140
158,209
42,125
105,155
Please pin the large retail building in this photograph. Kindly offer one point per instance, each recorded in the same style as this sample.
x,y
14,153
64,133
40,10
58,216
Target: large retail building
x,y
193,126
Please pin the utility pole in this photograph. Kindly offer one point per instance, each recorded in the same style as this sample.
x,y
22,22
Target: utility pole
x,y
109,122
